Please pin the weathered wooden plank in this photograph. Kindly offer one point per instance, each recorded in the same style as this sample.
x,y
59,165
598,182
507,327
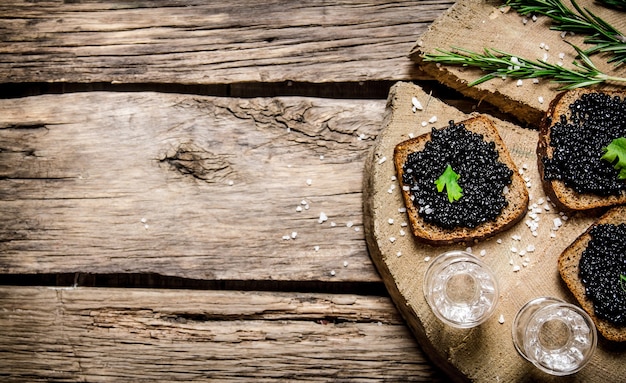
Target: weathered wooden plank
x,y
178,185
102,335
199,42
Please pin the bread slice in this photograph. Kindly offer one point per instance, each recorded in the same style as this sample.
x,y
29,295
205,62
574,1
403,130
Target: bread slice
x,y
517,196
564,197
569,270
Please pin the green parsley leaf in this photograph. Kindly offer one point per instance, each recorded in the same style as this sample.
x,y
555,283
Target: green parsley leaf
x,y
448,180
622,281
616,150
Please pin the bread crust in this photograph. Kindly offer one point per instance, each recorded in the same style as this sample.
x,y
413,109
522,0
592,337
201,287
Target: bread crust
x,y
562,196
569,262
517,196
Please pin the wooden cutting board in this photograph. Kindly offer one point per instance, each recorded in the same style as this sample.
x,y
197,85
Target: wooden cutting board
x,y
480,24
485,353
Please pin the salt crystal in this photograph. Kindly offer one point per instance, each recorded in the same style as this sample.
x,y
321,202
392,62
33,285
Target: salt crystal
x,y
540,99
516,268
332,273
309,181
416,104
294,234
349,224
501,319
520,82
299,208
530,248
323,218
286,237
345,263
383,159
557,222
398,254
424,123
390,221
402,210
483,252
316,248
426,259
392,239
143,220
433,119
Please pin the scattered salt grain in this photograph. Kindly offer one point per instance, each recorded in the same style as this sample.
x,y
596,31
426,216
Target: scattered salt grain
x,y
309,182
349,224
534,18
520,82
416,104
399,254
143,220
402,233
323,218
332,273
402,210
499,240
294,234
433,119
426,259
516,268
286,237
345,263
540,99
483,252
382,160
298,208
424,123
535,81
390,221
501,319
392,239
231,183
557,223
333,224
404,224
530,248
316,248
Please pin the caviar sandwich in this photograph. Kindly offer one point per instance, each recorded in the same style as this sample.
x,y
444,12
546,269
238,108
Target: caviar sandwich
x,y
459,183
581,151
594,269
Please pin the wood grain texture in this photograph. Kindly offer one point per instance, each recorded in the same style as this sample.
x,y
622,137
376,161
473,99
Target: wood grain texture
x,y
117,335
485,353
492,27
193,187
199,42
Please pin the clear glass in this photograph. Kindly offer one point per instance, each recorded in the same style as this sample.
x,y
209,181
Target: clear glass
x,y
460,289
557,337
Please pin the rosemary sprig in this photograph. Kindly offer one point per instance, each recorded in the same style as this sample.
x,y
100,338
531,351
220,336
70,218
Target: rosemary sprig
x,y
501,64
617,4
602,35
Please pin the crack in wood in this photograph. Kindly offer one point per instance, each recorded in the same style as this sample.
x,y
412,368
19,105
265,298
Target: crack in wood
x,y
192,160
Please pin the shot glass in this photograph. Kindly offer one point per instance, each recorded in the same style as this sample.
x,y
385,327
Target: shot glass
x,y
557,337
460,289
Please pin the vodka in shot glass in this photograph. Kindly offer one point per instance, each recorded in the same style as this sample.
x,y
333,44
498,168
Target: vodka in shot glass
x,y
460,289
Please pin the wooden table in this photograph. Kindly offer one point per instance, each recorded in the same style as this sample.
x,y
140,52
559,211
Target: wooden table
x,y
180,190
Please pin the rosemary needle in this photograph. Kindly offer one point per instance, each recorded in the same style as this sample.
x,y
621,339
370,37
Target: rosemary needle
x,y
601,34
501,64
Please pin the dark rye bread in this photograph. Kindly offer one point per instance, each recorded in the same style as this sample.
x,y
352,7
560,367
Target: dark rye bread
x,y
564,197
569,262
517,196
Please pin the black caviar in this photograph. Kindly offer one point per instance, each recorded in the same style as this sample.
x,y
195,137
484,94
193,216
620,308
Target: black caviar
x,y
602,264
482,178
596,120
